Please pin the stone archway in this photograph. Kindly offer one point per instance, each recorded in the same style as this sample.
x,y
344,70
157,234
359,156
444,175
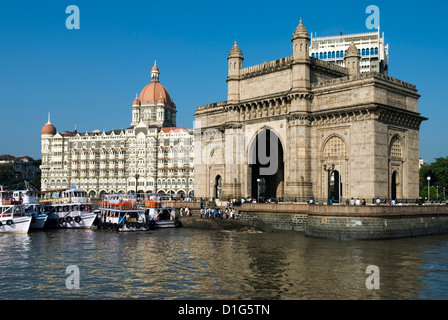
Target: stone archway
x,y
393,186
266,166
218,187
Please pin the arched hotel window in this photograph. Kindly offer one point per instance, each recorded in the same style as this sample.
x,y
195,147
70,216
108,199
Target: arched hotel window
x,y
363,52
342,54
367,52
321,55
312,55
376,50
325,55
372,52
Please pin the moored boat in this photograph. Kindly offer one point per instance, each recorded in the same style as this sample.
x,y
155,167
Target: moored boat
x,y
120,212
32,207
12,214
72,209
163,215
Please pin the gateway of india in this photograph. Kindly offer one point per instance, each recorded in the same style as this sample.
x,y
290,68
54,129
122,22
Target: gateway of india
x,y
299,128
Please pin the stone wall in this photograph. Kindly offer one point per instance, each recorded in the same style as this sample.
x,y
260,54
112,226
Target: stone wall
x,y
371,228
347,222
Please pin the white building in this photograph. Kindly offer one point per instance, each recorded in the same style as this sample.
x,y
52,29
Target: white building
x,y
152,156
371,46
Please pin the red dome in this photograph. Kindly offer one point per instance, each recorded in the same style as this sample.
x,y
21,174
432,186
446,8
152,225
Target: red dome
x,y
155,92
49,129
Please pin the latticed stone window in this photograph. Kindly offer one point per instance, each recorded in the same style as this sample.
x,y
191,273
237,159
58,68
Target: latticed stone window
x,y
395,148
334,147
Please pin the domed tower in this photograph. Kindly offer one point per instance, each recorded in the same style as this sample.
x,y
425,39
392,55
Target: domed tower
x,y
154,106
352,59
48,129
235,59
300,57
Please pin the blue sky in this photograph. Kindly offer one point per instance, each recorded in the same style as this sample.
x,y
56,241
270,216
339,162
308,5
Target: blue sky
x,y
89,77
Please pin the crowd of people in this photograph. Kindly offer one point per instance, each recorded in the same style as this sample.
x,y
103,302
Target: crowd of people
x,y
217,213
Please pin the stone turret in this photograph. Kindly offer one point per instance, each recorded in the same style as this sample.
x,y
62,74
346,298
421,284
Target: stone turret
x,y
300,57
235,59
352,60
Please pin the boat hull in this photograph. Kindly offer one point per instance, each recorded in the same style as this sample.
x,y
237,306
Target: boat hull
x,y
83,220
15,225
168,224
123,227
38,221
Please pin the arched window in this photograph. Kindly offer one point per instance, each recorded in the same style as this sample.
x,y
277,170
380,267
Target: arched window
x,y
372,51
376,50
325,55
363,52
395,149
337,54
342,54
367,52
321,55
334,148
312,55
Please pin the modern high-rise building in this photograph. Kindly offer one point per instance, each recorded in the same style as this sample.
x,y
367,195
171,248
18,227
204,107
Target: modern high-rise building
x,y
151,156
371,46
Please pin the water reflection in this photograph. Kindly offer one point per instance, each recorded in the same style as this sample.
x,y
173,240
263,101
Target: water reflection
x,y
197,264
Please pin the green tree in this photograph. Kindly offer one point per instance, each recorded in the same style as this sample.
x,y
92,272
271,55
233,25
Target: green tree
x,y
433,195
7,176
438,171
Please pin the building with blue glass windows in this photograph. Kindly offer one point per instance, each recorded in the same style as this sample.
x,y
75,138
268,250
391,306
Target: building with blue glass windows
x,y
371,46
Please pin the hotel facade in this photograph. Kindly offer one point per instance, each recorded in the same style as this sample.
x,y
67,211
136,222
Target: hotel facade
x,y
153,155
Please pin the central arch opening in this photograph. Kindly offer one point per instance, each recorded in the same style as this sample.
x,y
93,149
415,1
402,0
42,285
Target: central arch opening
x,y
266,166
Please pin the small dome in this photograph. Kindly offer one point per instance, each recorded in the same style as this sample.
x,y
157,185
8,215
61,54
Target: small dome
x,y
235,52
155,68
300,31
49,129
352,50
136,101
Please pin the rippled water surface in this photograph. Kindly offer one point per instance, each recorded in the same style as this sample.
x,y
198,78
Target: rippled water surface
x,y
201,264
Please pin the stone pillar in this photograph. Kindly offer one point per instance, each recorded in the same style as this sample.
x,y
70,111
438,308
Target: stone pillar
x,y
298,182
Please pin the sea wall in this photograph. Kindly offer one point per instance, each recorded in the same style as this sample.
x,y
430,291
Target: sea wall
x,y
347,222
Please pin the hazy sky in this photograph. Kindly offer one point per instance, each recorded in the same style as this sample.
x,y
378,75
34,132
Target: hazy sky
x,y
89,77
